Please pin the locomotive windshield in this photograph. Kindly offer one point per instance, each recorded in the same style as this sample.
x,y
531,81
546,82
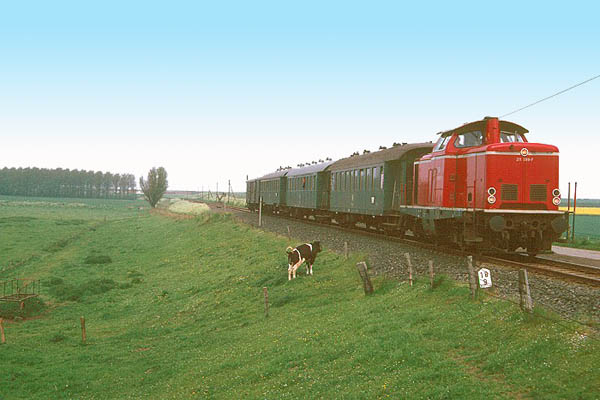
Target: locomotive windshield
x,y
441,143
469,139
511,137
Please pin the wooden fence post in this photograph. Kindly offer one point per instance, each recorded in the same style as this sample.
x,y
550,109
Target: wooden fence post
x,y
431,274
410,268
346,250
362,271
260,211
526,302
83,335
472,277
2,337
289,233
266,294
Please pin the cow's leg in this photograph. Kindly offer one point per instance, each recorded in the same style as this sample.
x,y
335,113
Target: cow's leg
x,y
298,264
290,273
311,269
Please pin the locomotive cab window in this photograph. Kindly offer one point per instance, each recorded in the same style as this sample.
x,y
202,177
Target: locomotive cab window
x,y
510,137
469,139
441,143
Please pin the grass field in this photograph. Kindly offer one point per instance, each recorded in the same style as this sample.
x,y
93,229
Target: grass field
x,y
174,309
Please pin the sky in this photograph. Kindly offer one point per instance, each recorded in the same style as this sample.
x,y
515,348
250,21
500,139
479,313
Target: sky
x,y
217,91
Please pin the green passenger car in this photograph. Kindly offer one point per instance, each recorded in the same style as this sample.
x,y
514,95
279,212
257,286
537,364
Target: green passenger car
x,y
272,188
308,187
375,183
252,194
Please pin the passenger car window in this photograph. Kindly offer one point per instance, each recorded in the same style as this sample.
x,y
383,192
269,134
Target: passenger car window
x,y
469,139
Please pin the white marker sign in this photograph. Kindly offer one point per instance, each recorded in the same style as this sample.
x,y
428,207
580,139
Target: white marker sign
x,y
485,278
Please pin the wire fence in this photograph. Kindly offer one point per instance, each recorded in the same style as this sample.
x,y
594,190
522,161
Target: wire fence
x,y
553,300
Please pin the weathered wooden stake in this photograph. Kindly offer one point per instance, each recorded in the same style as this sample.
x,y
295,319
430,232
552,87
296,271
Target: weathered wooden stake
x,y
472,277
410,268
266,293
431,274
83,335
2,338
362,271
526,302
260,212
289,233
346,250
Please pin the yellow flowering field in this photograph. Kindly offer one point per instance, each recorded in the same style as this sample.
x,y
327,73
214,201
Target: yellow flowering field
x,y
584,210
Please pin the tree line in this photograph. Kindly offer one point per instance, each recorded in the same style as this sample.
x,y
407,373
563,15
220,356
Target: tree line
x,y
60,182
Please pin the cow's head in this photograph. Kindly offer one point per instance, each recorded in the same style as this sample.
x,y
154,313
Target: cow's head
x,y
316,247
293,256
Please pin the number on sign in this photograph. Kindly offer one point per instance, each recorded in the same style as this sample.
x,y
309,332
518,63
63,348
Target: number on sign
x,y
485,278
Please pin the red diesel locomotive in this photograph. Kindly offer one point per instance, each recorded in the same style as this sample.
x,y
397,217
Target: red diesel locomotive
x,y
481,185
489,185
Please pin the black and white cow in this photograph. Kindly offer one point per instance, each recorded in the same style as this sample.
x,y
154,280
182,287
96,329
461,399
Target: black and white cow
x,y
305,252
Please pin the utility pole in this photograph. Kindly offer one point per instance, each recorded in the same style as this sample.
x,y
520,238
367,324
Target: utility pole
x,y
574,211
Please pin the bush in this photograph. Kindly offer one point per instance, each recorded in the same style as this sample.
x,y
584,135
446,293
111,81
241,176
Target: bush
x,y
11,310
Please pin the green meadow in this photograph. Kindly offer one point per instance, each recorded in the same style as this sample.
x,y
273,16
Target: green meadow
x,y
174,308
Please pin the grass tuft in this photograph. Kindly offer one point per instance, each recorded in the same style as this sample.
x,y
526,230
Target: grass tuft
x,y
97,259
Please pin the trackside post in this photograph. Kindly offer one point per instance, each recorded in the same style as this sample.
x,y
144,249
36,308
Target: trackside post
x,y
364,275
431,274
524,292
260,211
472,277
410,268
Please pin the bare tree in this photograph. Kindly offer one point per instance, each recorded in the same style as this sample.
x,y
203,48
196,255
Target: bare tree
x,y
155,186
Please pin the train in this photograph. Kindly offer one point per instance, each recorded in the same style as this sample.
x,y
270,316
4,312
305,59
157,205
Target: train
x,y
482,185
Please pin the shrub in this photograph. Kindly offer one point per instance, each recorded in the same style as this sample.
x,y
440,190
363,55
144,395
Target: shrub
x,y
12,310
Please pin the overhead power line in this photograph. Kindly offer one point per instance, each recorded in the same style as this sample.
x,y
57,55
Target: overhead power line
x,y
549,97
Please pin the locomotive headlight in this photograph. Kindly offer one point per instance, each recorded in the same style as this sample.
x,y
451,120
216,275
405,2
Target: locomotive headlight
x,y
492,191
556,193
491,199
556,201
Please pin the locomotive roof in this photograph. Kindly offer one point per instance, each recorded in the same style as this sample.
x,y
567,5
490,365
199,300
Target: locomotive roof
x,y
377,157
272,175
309,169
505,126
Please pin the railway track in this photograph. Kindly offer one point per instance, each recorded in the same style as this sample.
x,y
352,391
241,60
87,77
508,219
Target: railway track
x,y
573,272
565,270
